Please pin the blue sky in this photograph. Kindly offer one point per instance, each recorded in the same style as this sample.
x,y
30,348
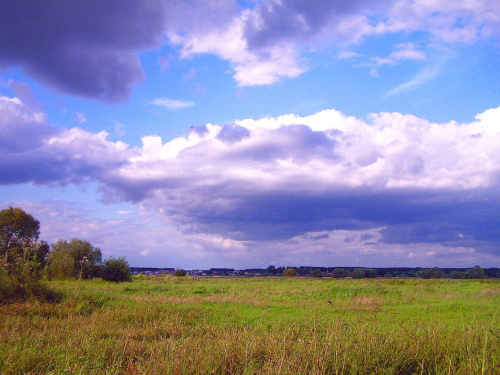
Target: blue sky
x,y
243,134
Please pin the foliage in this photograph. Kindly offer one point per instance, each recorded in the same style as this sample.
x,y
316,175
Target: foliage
x,y
362,273
16,227
339,273
271,270
22,256
316,273
116,269
431,273
475,273
180,272
290,272
74,259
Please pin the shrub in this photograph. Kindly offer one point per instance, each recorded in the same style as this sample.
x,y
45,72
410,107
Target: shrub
x,y
475,273
77,259
359,273
316,273
180,272
21,275
116,269
290,272
339,273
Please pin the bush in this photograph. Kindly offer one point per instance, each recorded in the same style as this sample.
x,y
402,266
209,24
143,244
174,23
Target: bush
x,y
475,273
21,276
339,273
359,273
76,259
290,272
116,269
316,273
180,272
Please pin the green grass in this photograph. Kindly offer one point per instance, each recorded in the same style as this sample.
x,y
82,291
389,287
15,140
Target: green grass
x,y
169,325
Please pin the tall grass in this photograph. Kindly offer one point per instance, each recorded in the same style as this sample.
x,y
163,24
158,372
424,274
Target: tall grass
x,y
256,326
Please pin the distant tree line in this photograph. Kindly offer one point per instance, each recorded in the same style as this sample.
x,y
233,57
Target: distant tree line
x,y
25,261
476,272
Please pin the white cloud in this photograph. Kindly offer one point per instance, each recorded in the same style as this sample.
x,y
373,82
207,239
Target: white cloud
x,y
172,103
255,184
265,43
426,74
81,118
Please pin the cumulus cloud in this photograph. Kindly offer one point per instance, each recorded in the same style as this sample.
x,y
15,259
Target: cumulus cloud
x,y
91,50
35,151
82,48
394,180
266,43
278,178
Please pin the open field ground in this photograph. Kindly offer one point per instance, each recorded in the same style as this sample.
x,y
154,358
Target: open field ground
x,y
167,325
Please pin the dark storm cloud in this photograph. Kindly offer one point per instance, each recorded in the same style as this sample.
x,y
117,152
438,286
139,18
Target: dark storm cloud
x,y
296,21
280,179
85,48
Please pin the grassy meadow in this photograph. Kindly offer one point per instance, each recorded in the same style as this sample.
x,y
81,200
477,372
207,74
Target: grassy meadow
x,y
168,325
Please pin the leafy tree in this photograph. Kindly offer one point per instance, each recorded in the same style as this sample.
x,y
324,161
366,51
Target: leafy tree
x,y
431,273
116,269
457,275
22,256
316,273
290,272
180,272
16,228
370,273
74,259
437,273
475,273
424,274
271,270
359,273
339,273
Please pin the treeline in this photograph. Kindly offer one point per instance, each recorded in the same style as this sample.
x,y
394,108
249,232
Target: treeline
x,y
476,272
25,261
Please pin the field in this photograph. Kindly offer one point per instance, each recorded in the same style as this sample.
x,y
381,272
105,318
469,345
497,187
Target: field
x,y
168,325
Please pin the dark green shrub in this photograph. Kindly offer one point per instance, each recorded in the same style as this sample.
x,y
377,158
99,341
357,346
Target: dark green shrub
x,y
359,273
339,273
475,273
316,273
116,269
180,272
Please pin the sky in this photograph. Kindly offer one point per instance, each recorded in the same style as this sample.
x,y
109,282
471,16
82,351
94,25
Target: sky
x,y
241,134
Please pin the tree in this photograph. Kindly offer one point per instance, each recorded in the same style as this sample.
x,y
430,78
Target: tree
x,y
437,273
16,228
359,273
22,256
116,269
290,272
271,270
370,273
316,273
475,273
74,259
180,272
431,273
339,273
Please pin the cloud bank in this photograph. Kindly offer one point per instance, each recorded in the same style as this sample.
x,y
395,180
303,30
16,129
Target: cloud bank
x,y
323,180
83,48
90,50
